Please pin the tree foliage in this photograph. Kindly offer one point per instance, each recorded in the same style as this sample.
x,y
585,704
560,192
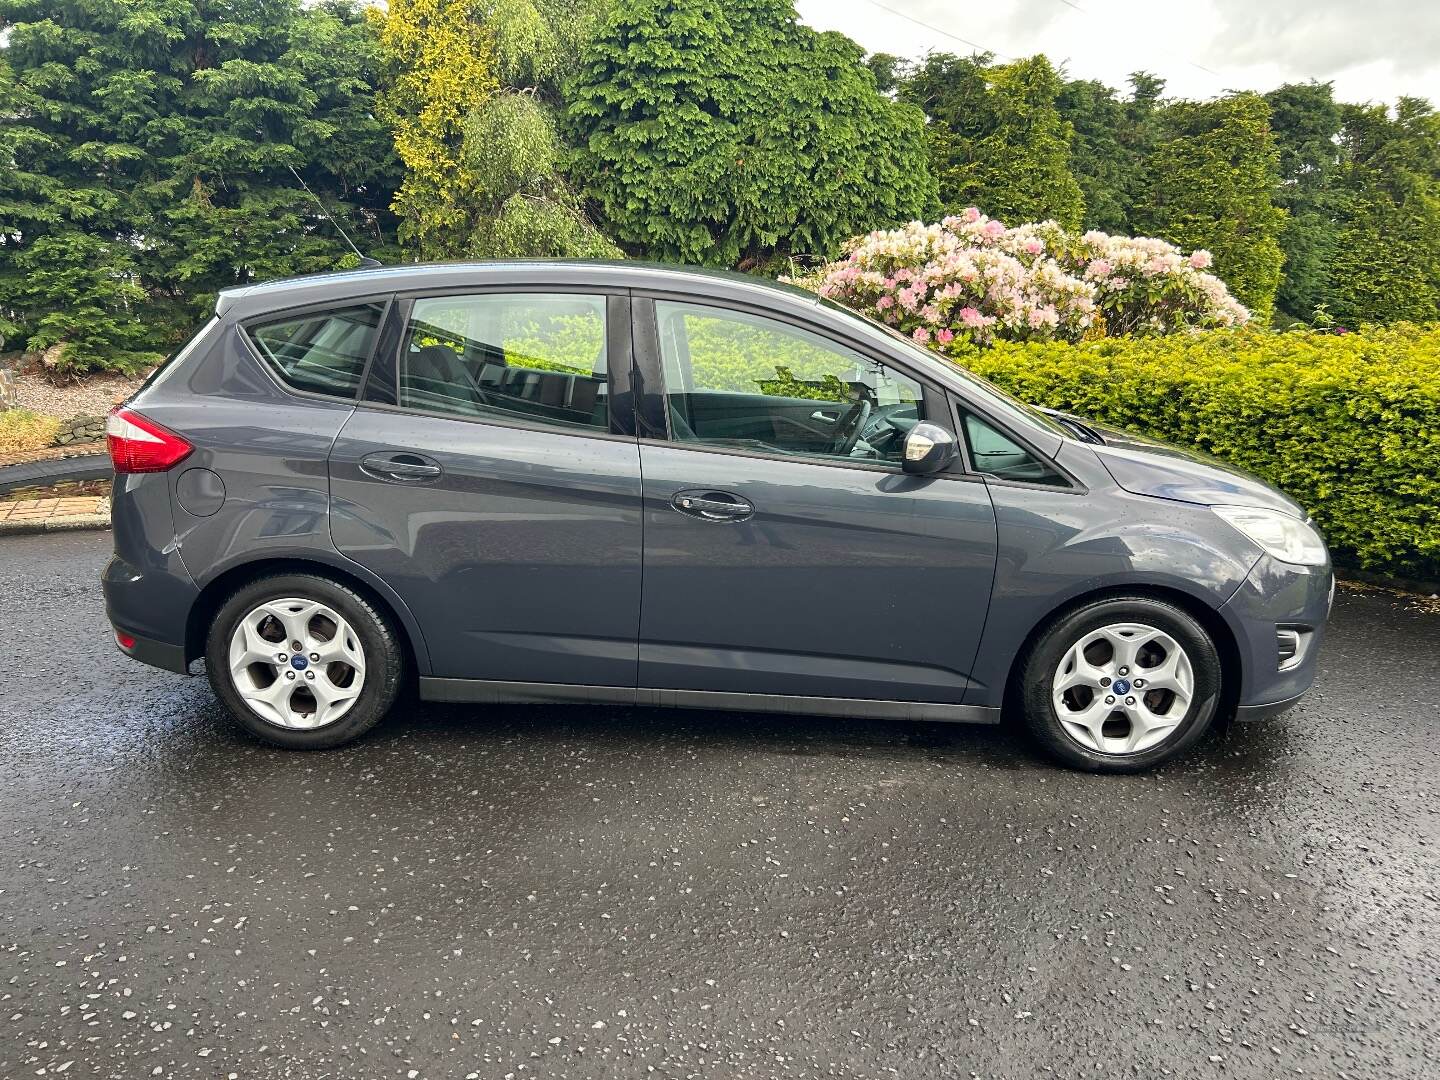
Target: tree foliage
x,y
730,134
1306,121
1113,139
1211,183
1386,264
998,140
524,208
145,156
474,86
440,65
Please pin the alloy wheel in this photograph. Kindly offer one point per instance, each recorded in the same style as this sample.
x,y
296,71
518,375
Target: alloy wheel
x,y
1123,688
297,663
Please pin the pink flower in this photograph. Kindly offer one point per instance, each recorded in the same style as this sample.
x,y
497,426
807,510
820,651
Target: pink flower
x,y
885,301
970,214
1034,246
994,229
1200,259
971,317
921,335
1100,268
945,336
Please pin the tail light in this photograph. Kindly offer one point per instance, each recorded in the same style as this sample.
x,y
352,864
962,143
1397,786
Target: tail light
x,y
140,445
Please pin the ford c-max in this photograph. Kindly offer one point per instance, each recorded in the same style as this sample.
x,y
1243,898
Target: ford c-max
x,y
591,482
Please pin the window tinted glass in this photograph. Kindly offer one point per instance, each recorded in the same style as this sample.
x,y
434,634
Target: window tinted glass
x,y
996,453
533,357
323,352
1013,408
751,383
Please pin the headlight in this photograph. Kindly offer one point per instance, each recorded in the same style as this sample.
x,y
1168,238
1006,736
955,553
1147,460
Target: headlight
x,y
1282,536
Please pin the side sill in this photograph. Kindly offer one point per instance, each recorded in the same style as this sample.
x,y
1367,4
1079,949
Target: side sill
x,y
484,691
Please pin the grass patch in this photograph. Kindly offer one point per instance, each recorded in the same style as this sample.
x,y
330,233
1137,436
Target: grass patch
x,y
21,430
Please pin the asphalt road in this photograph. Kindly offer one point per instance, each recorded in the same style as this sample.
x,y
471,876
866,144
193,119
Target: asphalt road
x,y
584,892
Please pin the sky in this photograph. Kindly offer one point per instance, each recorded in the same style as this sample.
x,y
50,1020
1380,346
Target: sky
x,y
1373,50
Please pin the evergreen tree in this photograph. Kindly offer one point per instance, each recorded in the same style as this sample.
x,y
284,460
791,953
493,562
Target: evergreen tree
x,y
1212,184
145,156
1113,138
996,137
1387,252
729,134
1307,120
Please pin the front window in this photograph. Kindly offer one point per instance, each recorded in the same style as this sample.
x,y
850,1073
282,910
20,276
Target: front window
x,y
1011,407
751,383
997,454
528,357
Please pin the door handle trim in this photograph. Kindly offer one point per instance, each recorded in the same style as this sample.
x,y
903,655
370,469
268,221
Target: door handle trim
x,y
394,467
712,505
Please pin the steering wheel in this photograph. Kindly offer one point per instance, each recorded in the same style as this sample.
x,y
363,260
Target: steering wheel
x,y
849,427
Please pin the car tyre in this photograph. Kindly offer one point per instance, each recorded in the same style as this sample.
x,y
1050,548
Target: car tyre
x,y
1191,663
372,643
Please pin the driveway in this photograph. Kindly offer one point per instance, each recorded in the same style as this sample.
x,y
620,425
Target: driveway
x,y
582,892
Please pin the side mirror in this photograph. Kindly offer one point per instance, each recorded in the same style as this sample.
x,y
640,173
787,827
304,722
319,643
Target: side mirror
x,y
929,448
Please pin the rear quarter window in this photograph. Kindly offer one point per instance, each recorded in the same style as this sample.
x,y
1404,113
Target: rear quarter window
x,y
321,352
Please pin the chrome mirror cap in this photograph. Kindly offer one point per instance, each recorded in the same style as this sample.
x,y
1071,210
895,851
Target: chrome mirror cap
x,y
929,449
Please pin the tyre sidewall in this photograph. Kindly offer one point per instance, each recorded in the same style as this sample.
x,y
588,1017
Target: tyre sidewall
x,y
384,660
1038,674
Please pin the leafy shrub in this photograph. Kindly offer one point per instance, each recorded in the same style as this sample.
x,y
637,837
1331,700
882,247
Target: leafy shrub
x,y
21,430
1348,424
971,279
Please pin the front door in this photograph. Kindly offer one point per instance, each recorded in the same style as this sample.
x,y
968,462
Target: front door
x,y
786,552
495,492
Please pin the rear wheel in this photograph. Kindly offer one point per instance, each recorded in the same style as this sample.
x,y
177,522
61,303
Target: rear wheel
x,y
303,662
1121,685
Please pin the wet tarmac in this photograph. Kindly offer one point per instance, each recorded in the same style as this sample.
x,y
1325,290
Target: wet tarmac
x,y
586,892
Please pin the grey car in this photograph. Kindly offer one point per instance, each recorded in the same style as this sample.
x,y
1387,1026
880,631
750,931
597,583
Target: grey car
x,y
621,483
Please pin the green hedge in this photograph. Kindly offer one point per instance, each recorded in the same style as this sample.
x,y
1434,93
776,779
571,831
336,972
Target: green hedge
x,y
1348,424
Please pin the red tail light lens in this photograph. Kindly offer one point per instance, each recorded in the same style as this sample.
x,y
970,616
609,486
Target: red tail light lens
x,y
139,445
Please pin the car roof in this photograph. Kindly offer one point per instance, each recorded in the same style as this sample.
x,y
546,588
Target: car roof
x,y
248,300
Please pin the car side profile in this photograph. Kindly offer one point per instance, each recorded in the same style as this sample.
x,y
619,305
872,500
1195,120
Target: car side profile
x,y
595,482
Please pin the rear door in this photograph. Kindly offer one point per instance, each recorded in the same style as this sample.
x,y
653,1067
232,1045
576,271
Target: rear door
x,y
786,552
492,478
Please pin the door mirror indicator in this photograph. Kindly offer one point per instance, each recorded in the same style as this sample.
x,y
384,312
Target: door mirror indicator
x,y
929,449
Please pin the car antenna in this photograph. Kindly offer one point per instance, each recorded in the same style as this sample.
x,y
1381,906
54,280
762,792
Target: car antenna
x,y
366,262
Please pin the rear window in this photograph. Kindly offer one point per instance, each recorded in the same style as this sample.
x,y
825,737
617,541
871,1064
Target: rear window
x,y
323,352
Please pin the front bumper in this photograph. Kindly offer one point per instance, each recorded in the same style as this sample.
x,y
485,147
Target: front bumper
x,y
1278,598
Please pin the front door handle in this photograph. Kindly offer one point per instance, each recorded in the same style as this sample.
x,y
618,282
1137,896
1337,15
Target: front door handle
x,y
712,505
401,468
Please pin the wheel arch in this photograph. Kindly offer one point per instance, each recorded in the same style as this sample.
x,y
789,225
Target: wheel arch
x,y
1214,624
214,592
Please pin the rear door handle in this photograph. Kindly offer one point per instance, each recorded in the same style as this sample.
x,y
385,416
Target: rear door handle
x,y
712,505
403,468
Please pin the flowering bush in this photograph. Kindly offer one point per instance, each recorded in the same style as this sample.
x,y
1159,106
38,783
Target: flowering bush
x,y
969,279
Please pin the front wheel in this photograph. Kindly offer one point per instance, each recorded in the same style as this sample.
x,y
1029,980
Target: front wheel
x,y
303,662
1121,685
